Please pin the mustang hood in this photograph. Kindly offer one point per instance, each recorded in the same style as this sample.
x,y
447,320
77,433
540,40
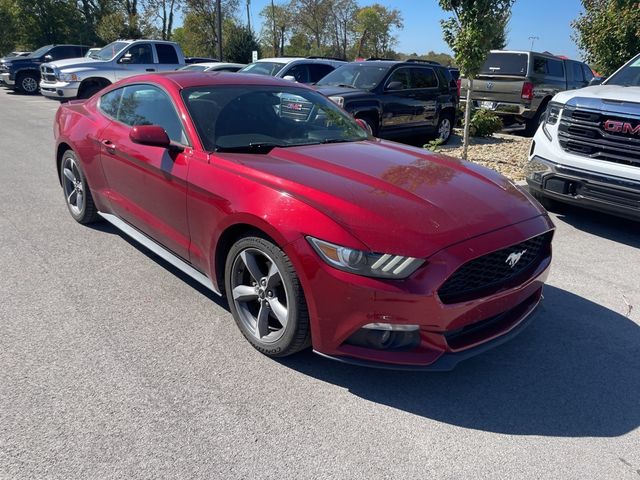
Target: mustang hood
x,y
389,195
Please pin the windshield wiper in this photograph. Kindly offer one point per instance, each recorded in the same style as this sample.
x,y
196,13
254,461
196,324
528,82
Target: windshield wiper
x,y
345,85
257,147
336,140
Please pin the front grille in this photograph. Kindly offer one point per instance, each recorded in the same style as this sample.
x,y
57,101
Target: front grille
x,y
581,132
295,109
48,74
492,272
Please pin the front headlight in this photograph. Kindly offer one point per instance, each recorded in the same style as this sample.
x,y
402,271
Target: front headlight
x,y
551,117
337,100
380,265
68,77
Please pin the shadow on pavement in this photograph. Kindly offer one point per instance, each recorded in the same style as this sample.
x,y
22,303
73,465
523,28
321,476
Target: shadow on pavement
x,y
614,228
572,373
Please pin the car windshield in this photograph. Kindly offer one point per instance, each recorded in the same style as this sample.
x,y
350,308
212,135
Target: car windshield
x,y
256,119
41,51
356,76
264,68
109,51
499,63
628,76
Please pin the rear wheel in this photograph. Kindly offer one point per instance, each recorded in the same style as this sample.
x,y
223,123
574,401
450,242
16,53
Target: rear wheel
x,y
444,128
89,90
531,125
76,190
265,296
27,83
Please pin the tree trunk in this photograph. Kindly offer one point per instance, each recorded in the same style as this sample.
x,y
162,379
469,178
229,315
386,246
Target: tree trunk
x,y
467,119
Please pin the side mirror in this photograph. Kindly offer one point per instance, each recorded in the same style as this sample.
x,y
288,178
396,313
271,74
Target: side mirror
x,y
394,86
291,78
126,58
48,58
151,135
365,126
596,81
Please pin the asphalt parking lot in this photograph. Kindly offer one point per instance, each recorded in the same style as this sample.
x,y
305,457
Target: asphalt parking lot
x,y
115,365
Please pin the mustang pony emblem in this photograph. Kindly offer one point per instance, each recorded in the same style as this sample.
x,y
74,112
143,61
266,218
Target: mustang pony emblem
x,y
514,258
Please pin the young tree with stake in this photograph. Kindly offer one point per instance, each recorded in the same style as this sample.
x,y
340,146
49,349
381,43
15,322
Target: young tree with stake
x,y
471,32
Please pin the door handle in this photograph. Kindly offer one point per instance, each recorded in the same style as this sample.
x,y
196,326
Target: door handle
x,y
151,69
109,145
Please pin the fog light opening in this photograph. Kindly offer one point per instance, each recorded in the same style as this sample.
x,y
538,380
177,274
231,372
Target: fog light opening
x,y
386,336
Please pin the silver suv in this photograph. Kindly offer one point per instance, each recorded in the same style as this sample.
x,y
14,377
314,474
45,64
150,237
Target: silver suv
x,y
82,77
301,70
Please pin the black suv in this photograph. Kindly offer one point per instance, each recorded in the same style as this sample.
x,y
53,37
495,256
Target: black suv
x,y
409,98
23,73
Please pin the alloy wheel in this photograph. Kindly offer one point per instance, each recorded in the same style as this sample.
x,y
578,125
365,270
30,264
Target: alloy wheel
x,y
29,84
73,187
444,129
259,295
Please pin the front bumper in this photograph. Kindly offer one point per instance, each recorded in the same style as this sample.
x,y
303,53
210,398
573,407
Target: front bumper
x,y
6,79
448,333
59,89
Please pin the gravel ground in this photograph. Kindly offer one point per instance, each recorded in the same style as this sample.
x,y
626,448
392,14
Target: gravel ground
x,y
503,152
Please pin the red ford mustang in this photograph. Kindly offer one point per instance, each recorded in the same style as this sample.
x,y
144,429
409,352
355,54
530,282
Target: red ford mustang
x,y
265,191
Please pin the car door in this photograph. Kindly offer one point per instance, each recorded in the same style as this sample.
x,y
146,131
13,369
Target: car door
x,y
167,57
147,184
135,60
426,87
398,102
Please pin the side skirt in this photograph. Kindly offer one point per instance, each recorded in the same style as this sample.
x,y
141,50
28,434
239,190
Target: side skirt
x,y
159,250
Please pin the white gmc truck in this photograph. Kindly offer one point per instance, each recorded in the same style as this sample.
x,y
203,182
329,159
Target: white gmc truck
x,y
82,77
587,149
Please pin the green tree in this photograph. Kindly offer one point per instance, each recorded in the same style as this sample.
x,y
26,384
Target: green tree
x,y
203,16
277,25
8,16
608,32
239,43
374,27
471,32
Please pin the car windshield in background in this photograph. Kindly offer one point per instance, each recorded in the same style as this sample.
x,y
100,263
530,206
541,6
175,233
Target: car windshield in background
x,y
505,64
257,119
109,51
629,76
356,76
263,68
195,67
41,51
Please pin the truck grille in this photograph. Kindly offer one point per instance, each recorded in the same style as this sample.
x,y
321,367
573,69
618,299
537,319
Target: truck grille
x,y
493,272
48,74
294,108
581,132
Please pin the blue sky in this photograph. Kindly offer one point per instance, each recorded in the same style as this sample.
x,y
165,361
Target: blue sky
x,y
547,19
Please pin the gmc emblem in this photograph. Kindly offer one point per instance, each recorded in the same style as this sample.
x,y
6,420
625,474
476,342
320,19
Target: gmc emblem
x,y
616,126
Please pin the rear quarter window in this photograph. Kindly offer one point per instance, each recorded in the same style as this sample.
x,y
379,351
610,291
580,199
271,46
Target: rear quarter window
x,y
110,103
548,66
166,54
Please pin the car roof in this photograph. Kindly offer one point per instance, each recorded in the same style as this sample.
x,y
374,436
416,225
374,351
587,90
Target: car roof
x,y
187,79
288,60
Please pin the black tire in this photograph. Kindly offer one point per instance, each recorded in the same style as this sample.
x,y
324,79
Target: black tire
x,y
287,339
445,123
28,83
531,125
89,91
75,187
369,120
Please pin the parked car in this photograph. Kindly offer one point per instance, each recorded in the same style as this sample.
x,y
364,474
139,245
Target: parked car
x,y
317,233
396,99
301,70
587,150
517,85
213,67
9,57
83,77
190,60
23,73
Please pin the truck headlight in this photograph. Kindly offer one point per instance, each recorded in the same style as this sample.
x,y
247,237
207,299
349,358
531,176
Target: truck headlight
x,y
551,117
68,77
337,100
381,265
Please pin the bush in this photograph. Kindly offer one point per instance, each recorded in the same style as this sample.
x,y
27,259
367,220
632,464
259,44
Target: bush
x,y
484,123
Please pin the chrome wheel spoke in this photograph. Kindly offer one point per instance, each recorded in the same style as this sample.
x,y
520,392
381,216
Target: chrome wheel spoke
x,y
279,310
79,199
250,262
70,197
69,174
273,277
262,321
244,293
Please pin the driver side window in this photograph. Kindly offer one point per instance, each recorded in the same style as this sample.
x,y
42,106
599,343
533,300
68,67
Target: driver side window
x,y
140,54
148,105
403,76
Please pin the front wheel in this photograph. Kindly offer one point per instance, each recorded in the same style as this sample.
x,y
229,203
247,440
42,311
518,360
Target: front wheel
x,y
28,83
265,296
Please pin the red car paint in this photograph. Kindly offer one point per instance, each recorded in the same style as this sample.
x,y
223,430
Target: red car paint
x,y
374,195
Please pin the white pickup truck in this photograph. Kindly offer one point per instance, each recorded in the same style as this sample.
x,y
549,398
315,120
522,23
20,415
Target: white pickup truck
x,y
82,77
587,149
